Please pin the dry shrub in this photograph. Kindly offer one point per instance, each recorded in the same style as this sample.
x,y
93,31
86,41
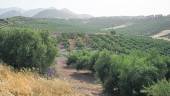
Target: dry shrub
x,y
30,84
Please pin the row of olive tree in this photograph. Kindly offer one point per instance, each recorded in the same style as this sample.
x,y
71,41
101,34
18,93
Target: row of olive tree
x,y
25,48
123,75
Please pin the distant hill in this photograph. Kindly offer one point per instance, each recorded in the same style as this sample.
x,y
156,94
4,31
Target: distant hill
x,y
63,13
9,14
4,10
41,13
54,13
32,12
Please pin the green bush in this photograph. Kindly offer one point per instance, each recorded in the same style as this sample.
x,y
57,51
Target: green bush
x,y
83,62
161,88
134,74
93,58
167,61
107,72
126,75
72,58
84,59
123,74
24,48
112,32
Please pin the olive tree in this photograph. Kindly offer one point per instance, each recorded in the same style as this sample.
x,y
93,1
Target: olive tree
x,y
24,48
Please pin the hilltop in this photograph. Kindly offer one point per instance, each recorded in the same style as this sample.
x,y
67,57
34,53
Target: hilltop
x,y
41,13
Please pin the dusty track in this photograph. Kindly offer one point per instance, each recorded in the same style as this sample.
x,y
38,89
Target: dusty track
x,y
161,35
83,81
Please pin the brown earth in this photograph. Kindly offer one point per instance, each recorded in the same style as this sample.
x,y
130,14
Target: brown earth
x,y
82,81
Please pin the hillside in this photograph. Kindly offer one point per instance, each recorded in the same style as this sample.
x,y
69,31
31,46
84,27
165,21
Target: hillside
x,y
162,35
9,14
54,13
79,59
41,13
53,25
62,14
4,10
145,26
26,83
32,12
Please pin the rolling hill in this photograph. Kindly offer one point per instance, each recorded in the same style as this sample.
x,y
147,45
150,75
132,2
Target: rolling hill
x,y
41,13
4,10
32,12
53,13
63,13
127,25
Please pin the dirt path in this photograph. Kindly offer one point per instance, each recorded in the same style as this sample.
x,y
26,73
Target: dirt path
x,y
117,27
83,81
161,35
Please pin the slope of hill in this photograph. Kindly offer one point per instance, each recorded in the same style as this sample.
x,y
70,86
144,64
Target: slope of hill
x,y
65,20
53,13
41,13
63,13
32,12
52,25
145,26
11,13
162,35
4,10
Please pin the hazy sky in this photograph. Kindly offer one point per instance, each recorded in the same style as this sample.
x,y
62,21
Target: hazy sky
x,y
97,7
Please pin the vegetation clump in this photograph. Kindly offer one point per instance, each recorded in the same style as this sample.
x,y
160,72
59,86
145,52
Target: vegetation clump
x,y
162,88
123,74
25,48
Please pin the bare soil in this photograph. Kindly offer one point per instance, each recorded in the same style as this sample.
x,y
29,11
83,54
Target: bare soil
x,y
161,35
83,81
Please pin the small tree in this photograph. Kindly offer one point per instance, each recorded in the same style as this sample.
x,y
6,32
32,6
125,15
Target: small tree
x,y
107,72
113,32
23,48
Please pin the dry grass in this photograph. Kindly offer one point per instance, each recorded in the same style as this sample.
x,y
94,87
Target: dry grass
x,y
30,84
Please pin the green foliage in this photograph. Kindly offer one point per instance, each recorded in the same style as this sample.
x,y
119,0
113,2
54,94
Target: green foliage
x,y
102,65
26,48
138,61
53,25
167,61
82,59
113,32
72,58
135,25
118,44
124,75
64,38
146,26
161,88
107,72
122,44
135,73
